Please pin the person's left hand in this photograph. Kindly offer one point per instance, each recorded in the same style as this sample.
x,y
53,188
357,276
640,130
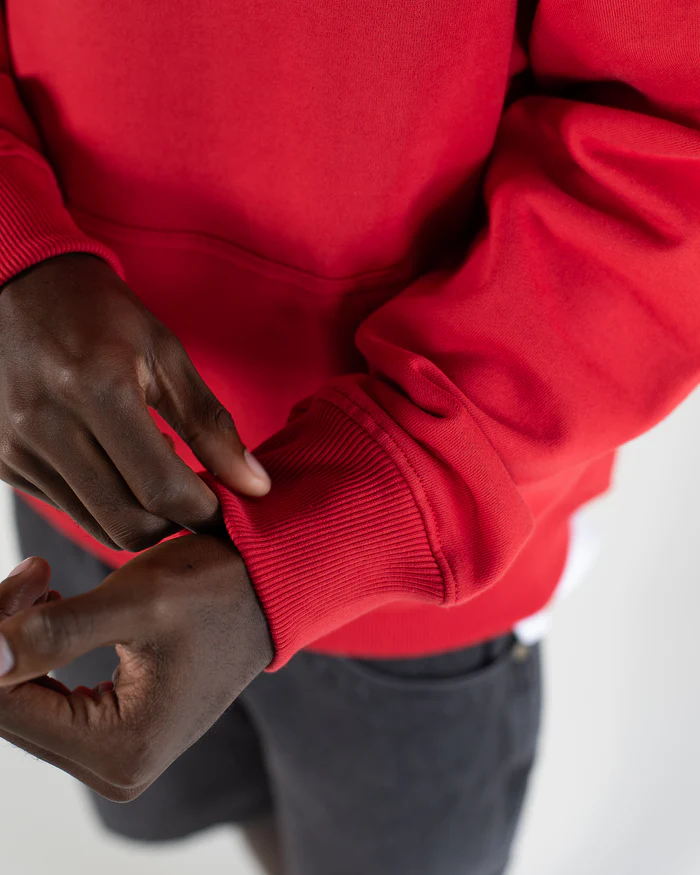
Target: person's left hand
x,y
190,635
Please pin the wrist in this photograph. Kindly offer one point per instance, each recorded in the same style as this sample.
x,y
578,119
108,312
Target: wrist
x,y
234,592
256,619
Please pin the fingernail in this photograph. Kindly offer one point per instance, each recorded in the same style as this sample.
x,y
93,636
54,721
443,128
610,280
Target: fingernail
x,y
256,467
21,567
7,659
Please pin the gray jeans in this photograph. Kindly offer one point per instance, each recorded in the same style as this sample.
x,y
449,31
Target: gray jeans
x,y
371,767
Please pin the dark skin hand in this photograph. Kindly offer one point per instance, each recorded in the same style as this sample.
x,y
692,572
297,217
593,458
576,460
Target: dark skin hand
x,y
190,635
81,362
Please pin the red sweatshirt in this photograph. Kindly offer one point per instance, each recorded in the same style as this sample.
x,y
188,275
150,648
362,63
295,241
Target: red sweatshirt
x,y
437,262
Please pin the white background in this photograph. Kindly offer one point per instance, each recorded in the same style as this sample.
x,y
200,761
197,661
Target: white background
x,y
616,791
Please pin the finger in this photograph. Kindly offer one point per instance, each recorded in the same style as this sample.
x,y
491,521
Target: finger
x,y
39,480
16,481
115,794
159,479
49,636
45,719
78,733
102,688
24,586
186,403
104,493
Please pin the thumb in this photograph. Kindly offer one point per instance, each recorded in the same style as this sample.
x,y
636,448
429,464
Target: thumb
x,y
192,410
50,635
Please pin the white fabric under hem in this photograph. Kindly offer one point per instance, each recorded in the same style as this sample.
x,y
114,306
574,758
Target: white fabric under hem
x,y
584,548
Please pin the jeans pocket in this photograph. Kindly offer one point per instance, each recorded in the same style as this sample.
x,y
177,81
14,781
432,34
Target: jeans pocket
x,y
446,672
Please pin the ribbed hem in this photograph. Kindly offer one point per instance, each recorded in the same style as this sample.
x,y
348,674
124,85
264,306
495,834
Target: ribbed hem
x,y
34,224
338,535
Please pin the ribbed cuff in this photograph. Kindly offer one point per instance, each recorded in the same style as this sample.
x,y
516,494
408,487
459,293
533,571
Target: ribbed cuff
x,y
338,535
34,224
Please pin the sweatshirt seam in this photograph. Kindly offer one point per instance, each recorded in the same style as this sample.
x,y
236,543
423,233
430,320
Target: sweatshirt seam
x,y
464,403
399,274
449,588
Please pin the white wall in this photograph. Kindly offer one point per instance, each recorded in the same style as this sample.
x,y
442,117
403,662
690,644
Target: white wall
x,y
617,786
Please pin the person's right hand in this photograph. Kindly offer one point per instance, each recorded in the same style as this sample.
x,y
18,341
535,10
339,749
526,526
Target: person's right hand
x,y
81,362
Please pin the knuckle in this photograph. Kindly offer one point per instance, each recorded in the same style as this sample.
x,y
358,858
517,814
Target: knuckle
x,y
106,374
164,607
29,418
132,542
212,415
160,611
211,418
222,418
12,453
68,380
47,634
159,498
82,516
111,391
136,538
61,377
208,418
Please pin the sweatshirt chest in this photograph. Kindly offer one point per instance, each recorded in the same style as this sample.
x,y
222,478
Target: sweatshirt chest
x,y
301,120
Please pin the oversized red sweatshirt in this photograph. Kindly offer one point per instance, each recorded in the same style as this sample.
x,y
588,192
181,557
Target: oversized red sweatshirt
x,y
439,259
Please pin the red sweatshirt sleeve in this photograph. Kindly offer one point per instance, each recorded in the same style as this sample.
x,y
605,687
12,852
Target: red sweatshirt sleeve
x,y
572,326
34,223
